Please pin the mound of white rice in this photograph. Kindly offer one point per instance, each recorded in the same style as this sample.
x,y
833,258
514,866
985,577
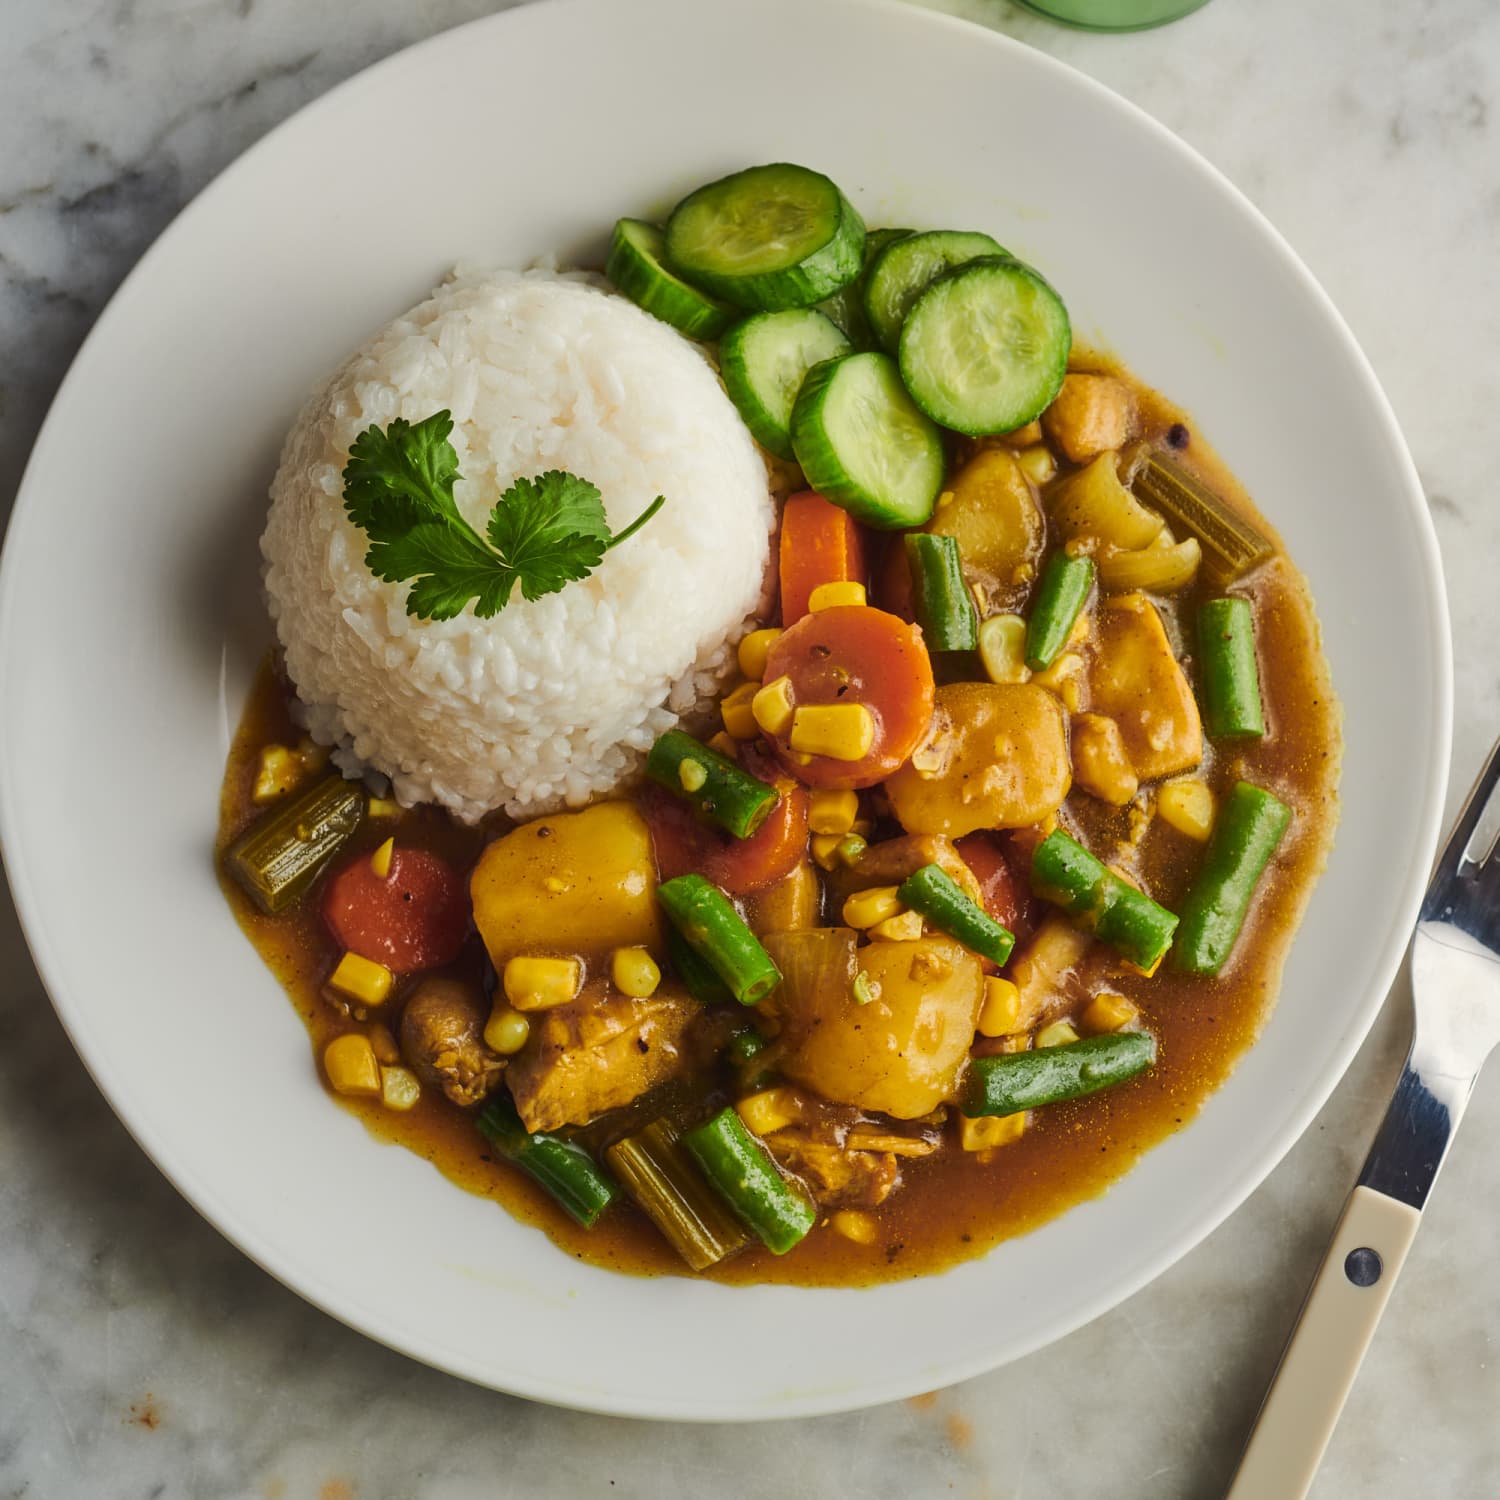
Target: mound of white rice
x,y
555,701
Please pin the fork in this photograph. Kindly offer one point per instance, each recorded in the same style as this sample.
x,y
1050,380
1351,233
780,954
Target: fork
x,y
1455,972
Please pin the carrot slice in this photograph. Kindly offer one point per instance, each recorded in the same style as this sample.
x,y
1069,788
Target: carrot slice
x,y
820,543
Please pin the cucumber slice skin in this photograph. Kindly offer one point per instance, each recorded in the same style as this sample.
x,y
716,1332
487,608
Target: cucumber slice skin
x,y
820,260
994,292
764,359
847,305
897,276
637,268
844,466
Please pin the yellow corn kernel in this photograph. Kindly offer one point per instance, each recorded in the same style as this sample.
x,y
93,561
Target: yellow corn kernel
x,y
349,1062
866,908
906,928
1107,1012
735,710
691,774
853,1225
831,595
753,651
1000,1015
1058,1034
825,850
383,807
1002,648
383,1042
768,1111
772,706
399,1088
380,860
722,743
841,731
506,1031
634,972
361,979
279,771
832,812
541,983
1187,806
1062,679
945,499
1037,463
989,1131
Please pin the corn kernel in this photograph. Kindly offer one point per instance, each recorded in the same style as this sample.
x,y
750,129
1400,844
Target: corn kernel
x,y
1037,463
349,1062
634,972
906,928
832,812
753,651
841,731
768,1111
361,979
1002,648
1063,679
866,908
383,807
383,1043
1107,1012
772,706
691,774
541,983
825,850
380,860
989,1131
946,499
506,1031
832,595
1000,1015
399,1089
1187,806
739,720
279,771
1058,1034
855,1226
722,743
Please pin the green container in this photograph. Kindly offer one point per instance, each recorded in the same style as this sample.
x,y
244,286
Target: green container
x,y
1113,15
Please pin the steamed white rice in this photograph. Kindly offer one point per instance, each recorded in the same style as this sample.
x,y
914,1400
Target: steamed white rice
x,y
555,701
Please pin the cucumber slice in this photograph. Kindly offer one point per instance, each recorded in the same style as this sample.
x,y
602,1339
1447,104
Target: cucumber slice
x,y
764,360
905,267
767,238
863,443
636,267
847,305
985,348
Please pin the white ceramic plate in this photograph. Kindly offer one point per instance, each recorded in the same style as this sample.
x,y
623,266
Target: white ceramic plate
x,y
130,621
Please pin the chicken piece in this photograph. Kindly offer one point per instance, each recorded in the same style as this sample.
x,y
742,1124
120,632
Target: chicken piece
x,y
1136,681
1101,765
839,1177
1091,414
442,1040
599,1052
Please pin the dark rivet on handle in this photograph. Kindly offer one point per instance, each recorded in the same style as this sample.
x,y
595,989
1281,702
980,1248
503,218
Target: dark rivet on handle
x,y
1363,1266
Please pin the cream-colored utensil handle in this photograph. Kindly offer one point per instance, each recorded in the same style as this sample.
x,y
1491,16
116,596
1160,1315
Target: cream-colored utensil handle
x,y
1321,1360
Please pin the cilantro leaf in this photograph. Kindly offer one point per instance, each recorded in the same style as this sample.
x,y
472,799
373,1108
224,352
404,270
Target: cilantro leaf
x,y
544,533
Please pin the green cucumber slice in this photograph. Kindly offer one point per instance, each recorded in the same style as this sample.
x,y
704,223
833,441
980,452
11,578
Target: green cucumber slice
x,y
863,443
636,267
985,348
764,360
847,305
905,267
767,238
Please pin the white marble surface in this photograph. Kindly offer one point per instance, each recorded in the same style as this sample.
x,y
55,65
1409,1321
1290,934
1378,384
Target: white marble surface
x,y
141,1355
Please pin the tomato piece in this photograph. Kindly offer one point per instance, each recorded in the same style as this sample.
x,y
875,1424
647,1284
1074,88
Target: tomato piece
x,y
820,543
856,654
416,917
1007,898
686,844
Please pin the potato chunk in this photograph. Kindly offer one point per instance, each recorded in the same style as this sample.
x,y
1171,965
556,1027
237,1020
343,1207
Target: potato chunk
x,y
997,758
1092,414
1136,681
993,515
568,883
1101,765
901,1052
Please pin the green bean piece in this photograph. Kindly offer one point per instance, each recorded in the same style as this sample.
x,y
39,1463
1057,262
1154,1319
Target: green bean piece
x,y
1249,827
750,1183
562,1166
697,976
282,854
1060,596
711,782
714,930
1135,926
1014,1081
939,898
1231,680
942,602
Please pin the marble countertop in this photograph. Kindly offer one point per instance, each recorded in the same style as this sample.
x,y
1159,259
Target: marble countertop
x,y
142,1355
